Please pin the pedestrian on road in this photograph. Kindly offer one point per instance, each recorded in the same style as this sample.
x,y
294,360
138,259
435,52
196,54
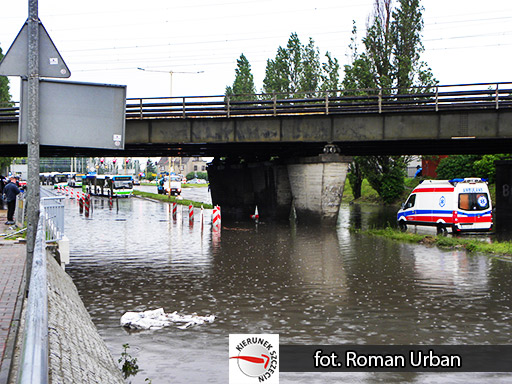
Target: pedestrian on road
x,y
11,190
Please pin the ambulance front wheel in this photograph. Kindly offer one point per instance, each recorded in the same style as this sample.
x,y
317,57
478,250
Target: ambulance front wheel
x,y
402,226
441,230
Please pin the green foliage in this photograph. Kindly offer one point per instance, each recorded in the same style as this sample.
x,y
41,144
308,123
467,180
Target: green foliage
x,y
391,58
469,244
129,364
5,162
392,50
171,199
461,166
296,70
385,174
243,86
150,168
330,73
392,185
5,96
485,166
355,176
457,166
197,175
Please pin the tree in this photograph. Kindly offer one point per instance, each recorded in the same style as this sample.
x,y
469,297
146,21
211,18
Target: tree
x,y
391,59
5,97
330,74
296,71
385,174
407,47
243,86
461,166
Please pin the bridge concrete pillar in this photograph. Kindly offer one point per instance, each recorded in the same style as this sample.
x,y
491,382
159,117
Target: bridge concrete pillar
x,y
316,185
313,186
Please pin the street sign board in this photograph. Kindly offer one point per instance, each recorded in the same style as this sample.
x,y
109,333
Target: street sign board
x,y
15,61
74,114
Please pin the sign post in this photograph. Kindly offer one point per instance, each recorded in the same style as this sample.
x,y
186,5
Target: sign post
x,y
33,196
57,112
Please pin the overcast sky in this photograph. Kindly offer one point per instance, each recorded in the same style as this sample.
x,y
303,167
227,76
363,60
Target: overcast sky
x,y
466,41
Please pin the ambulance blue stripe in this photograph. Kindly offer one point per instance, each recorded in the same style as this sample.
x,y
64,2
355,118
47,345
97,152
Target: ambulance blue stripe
x,y
473,214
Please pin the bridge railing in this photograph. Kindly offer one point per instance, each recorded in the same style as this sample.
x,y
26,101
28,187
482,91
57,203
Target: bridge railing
x,y
436,98
348,101
9,111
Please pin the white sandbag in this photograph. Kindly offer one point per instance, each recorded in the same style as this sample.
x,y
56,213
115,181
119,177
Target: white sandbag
x,y
157,318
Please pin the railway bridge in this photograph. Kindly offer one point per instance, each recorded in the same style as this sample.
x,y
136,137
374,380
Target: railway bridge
x,y
275,150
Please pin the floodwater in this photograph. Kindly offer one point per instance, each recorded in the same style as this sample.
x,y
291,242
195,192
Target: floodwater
x,y
309,284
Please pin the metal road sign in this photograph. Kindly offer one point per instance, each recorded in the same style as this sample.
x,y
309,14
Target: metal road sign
x,y
15,61
74,114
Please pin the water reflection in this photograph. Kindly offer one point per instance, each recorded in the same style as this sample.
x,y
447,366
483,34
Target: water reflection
x,y
311,285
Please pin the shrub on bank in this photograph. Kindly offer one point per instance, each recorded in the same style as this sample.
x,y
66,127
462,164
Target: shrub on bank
x,y
172,199
471,245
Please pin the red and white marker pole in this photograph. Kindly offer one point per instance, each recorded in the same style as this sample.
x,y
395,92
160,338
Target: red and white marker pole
x,y
216,217
87,202
256,215
191,213
174,210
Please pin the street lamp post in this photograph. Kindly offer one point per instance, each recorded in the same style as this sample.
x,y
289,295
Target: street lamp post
x,y
169,72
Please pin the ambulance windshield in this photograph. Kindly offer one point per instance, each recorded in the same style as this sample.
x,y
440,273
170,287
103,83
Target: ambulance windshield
x,y
473,201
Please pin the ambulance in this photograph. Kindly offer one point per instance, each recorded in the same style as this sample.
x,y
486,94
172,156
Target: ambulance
x,y
464,205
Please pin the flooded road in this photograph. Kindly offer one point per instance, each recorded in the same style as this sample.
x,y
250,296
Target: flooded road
x,y
311,285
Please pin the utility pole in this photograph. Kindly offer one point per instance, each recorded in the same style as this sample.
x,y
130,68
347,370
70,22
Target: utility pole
x,y
170,73
33,195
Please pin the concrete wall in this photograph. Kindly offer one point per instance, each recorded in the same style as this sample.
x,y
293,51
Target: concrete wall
x,y
77,353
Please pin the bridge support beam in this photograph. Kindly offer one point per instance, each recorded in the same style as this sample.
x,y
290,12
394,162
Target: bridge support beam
x,y
316,185
312,186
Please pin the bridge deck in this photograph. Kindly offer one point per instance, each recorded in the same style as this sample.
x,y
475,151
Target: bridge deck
x,y
424,121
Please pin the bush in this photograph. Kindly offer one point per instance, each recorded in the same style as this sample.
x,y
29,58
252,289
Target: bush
x,y
197,175
461,166
457,166
392,186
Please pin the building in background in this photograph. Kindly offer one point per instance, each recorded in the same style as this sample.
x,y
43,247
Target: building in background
x,y
182,165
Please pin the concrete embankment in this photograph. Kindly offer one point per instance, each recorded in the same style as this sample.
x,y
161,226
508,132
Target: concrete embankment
x,y
78,354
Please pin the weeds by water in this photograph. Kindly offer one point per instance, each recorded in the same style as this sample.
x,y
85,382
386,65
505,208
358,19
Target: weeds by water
x,y
129,367
503,248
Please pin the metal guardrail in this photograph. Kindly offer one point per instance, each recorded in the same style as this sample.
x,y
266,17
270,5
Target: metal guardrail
x,y
34,356
345,101
52,210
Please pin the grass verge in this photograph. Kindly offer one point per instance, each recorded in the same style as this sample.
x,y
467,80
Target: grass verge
x,y
172,199
503,248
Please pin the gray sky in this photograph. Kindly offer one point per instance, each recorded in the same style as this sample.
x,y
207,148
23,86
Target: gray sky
x,y
466,41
